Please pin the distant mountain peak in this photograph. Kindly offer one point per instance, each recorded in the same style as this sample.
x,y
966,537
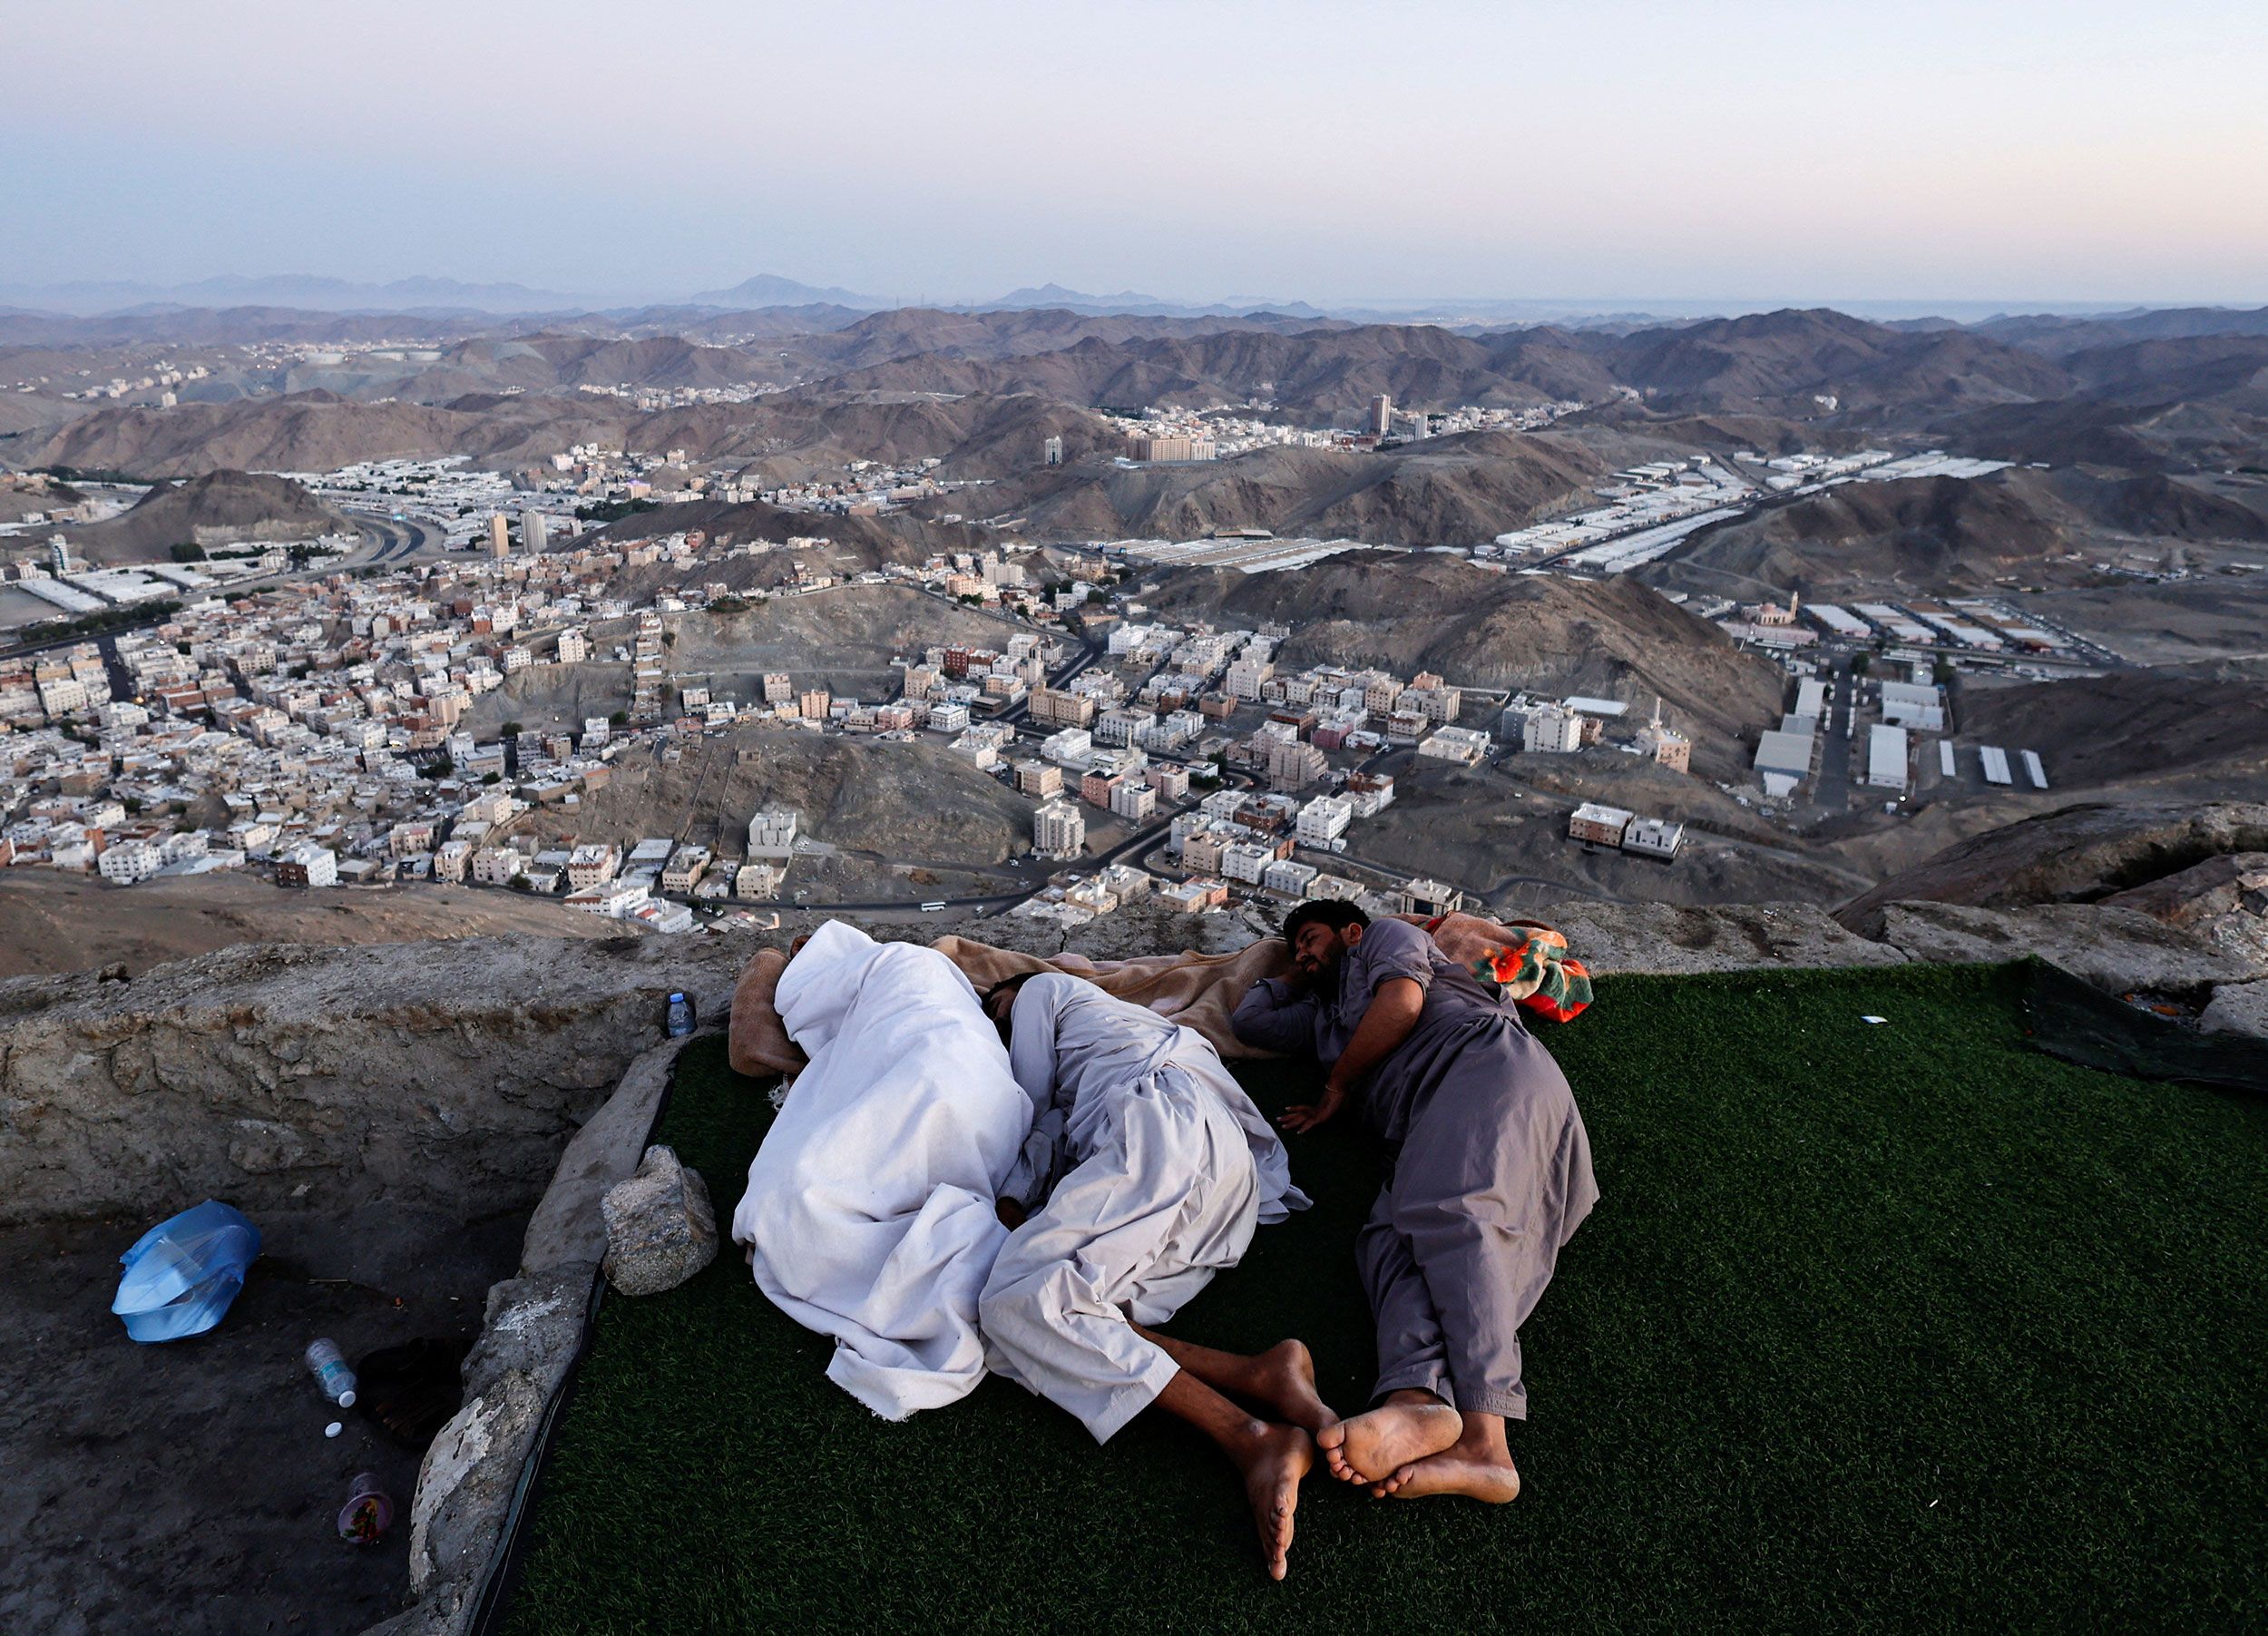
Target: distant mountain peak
x,y
770,289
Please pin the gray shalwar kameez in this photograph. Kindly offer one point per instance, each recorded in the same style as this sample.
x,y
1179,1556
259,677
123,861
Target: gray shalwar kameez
x,y
1488,1167
1146,1172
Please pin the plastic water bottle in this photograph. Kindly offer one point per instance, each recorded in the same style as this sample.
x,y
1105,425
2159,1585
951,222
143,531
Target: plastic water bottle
x,y
331,1372
680,1016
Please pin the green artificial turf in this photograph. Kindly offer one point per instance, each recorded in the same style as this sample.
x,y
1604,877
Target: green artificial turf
x,y
1901,1325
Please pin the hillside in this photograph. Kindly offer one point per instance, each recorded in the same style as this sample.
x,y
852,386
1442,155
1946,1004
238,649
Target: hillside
x,y
219,508
894,803
1610,638
1337,368
843,638
59,922
791,437
2162,729
1463,490
1778,359
317,431
2076,853
1940,534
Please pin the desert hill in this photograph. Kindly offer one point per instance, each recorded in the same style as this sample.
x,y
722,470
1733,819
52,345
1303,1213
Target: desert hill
x,y
2076,853
916,332
60,922
1461,490
2228,371
789,436
1317,368
1938,534
1779,358
217,508
843,638
1608,638
2059,337
896,803
2162,729
315,432
858,543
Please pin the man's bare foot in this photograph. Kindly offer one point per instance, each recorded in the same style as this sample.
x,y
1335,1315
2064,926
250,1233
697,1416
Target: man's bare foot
x,y
1488,1477
1278,1458
1373,1446
1287,1385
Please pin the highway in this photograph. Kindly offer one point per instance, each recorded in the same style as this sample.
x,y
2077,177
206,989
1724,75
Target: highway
x,y
397,542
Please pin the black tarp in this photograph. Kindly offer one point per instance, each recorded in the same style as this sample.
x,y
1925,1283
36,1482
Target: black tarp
x,y
2074,1020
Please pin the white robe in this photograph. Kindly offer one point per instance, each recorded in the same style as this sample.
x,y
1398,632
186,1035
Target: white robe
x,y
1146,1170
870,1205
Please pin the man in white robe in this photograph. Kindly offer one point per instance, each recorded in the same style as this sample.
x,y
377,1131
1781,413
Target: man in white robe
x,y
870,1211
1145,1170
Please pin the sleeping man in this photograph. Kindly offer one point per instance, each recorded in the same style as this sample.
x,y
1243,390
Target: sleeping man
x,y
1488,1175
1146,1172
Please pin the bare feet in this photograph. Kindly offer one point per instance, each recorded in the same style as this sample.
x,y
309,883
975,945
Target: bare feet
x,y
1287,1385
1275,1462
1372,1447
1492,1478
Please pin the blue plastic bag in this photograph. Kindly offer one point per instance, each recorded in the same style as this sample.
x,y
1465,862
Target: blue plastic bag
x,y
182,1274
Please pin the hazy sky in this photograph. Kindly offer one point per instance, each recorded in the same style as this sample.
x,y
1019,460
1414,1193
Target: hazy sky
x,y
1904,150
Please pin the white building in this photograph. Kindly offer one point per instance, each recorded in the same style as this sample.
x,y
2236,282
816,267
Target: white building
x,y
1132,800
1246,861
1070,747
1057,830
593,864
126,863
1552,730
1654,838
685,868
1907,704
1324,819
320,863
1886,754
772,834
497,866
1465,746
757,880
1784,760
1288,877
1245,677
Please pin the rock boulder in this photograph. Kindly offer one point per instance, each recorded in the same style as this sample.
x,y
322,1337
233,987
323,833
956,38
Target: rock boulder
x,y
660,1228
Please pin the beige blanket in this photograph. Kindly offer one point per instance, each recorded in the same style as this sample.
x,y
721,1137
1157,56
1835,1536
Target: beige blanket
x,y
1200,991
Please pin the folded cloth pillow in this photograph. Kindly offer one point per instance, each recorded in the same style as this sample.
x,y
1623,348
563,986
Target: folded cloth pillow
x,y
1525,960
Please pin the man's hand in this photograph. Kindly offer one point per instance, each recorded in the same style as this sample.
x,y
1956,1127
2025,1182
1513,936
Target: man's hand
x,y
1306,1116
1010,1212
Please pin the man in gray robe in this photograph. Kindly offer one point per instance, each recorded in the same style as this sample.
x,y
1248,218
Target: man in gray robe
x,y
1147,1170
1488,1175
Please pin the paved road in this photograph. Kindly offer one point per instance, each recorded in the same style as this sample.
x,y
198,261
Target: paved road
x,y
1831,792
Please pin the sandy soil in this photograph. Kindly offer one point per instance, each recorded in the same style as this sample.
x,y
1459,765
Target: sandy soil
x,y
54,922
188,1486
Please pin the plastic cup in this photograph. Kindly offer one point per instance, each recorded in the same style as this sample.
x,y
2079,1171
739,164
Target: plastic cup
x,y
368,1511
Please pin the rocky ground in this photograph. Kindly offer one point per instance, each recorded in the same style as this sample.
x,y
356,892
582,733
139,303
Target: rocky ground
x,y
63,922
389,1115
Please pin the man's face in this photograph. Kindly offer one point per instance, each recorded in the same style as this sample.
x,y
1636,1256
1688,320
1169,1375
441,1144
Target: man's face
x,y
999,1005
1317,948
